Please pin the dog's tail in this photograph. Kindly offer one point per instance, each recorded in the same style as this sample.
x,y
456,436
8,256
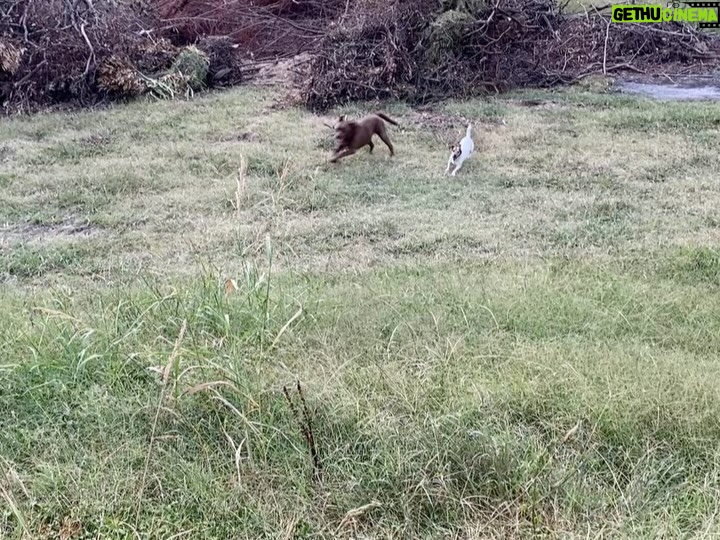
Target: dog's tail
x,y
468,131
387,118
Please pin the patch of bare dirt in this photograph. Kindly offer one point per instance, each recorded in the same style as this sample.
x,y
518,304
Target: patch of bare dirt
x,y
241,136
282,72
289,74
249,136
97,139
40,233
434,120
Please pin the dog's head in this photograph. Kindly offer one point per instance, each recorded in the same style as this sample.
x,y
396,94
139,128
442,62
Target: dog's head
x,y
340,122
344,128
455,151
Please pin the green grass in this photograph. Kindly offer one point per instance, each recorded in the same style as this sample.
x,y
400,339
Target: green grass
x,y
529,349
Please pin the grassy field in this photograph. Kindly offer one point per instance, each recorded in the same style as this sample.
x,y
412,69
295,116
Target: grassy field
x,y
527,350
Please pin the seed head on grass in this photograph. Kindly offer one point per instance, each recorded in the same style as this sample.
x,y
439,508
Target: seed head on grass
x,y
305,426
171,365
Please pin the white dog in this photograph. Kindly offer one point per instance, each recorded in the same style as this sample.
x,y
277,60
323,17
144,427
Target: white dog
x,y
460,152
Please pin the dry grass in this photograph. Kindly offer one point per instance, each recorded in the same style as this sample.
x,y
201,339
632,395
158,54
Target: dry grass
x,y
568,177
527,349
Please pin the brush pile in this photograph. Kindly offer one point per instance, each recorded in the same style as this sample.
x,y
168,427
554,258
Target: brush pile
x,y
52,51
83,52
420,50
591,43
223,63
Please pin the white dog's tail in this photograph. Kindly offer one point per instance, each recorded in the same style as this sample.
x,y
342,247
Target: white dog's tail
x,y
468,131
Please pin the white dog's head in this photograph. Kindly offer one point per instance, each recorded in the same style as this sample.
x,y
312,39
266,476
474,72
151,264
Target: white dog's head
x,y
455,151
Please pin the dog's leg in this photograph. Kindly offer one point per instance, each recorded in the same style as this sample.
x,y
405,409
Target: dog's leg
x,y
458,165
383,135
449,164
342,154
371,145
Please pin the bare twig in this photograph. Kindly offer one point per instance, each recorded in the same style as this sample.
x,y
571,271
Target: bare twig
x,y
23,20
607,34
92,50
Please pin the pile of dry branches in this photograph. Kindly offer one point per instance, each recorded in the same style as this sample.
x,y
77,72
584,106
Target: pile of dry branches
x,y
417,51
372,54
590,43
84,51
80,52
58,46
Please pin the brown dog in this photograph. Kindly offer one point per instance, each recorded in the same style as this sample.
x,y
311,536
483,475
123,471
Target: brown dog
x,y
353,135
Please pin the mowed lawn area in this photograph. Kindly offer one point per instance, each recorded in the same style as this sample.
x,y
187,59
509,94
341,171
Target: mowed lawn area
x,y
529,349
